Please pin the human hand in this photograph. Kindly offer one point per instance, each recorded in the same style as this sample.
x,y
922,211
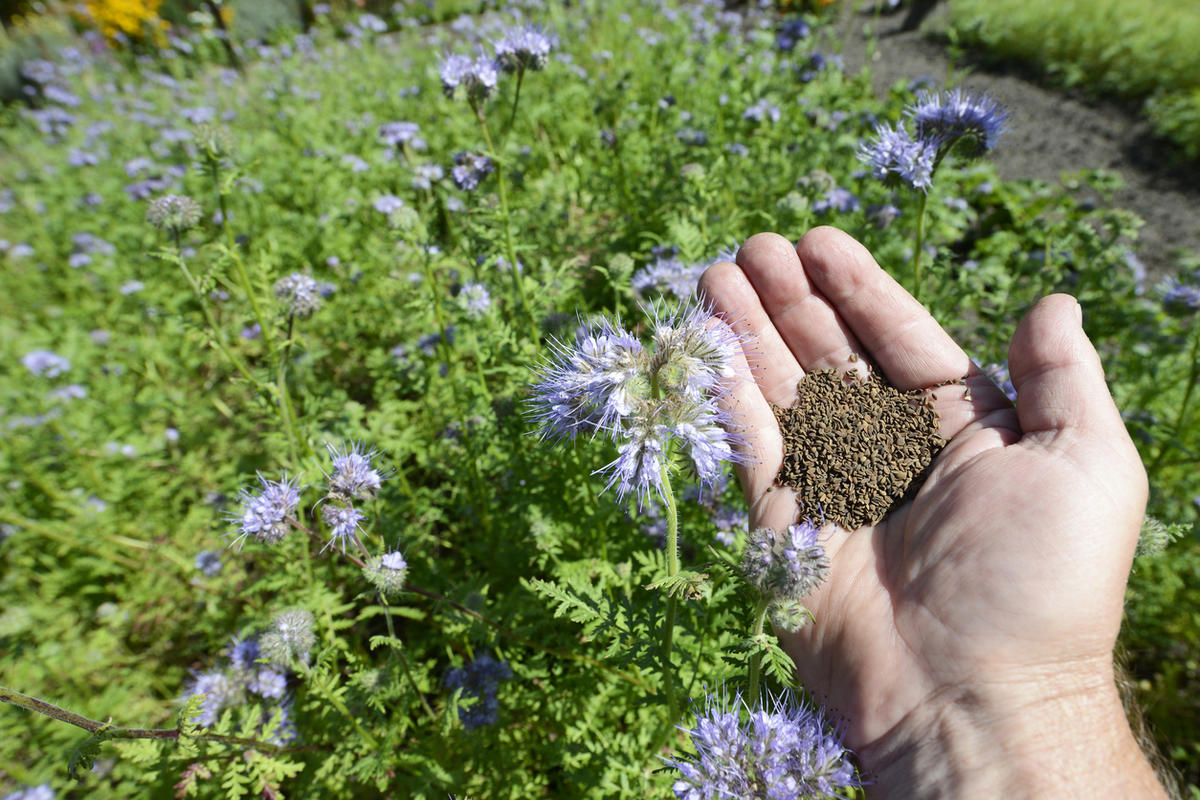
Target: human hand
x,y
952,634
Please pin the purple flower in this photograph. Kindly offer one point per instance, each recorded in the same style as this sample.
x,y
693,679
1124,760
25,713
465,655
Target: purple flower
x,y
387,572
388,204
425,175
209,563
343,522
762,111
477,77
894,153
669,276
947,117
779,749
479,680
302,293
353,476
523,48
266,516
469,169
396,134
837,199
999,375
785,565
1179,297
219,691
791,32
45,363
475,298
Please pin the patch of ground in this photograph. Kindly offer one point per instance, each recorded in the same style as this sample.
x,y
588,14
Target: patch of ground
x,y
1050,132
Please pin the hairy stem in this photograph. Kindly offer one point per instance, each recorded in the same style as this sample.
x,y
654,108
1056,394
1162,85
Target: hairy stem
x,y
760,616
672,601
1182,414
119,732
918,245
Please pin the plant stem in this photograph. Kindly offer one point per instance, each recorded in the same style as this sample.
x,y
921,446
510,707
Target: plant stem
x,y
760,616
1181,416
672,600
285,400
506,215
212,324
267,334
387,614
512,114
918,245
118,732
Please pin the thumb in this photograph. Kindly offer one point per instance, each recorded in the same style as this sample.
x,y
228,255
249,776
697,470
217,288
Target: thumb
x,y
1057,373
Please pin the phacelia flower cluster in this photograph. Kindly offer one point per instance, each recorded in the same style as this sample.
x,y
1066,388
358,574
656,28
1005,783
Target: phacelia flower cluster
x,y
387,573
785,565
779,750
244,679
302,293
289,640
469,169
941,121
174,213
354,477
649,401
479,680
519,49
269,514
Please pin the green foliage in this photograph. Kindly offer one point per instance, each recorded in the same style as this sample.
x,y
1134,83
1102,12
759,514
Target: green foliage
x,y
513,552
1135,49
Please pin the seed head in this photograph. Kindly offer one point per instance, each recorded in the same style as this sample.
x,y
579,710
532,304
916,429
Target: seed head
x,y
174,213
290,639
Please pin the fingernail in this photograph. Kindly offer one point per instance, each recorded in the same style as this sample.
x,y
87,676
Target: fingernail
x,y
1079,312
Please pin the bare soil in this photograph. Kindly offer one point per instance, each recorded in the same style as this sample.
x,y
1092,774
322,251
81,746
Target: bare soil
x,y
1050,132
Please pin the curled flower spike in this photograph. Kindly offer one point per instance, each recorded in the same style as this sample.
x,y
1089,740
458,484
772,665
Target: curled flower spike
x,y
387,573
343,522
947,117
779,749
523,49
785,565
267,515
895,153
477,77
173,213
353,476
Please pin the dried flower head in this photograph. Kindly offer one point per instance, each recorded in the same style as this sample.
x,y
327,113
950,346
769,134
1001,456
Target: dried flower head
x,y
213,143
267,515
290,639
785,565
174,213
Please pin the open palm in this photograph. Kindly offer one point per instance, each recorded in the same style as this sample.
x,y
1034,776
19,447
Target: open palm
x,y
1008,567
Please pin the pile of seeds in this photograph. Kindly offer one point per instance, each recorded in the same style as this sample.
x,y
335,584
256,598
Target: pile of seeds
x,y
853,449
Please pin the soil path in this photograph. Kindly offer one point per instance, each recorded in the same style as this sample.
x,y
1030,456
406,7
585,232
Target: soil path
x,y
1051,133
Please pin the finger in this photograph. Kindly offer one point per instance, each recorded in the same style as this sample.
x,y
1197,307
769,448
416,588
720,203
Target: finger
x,y
1057,373
775,369
755,433
807,323
907,344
